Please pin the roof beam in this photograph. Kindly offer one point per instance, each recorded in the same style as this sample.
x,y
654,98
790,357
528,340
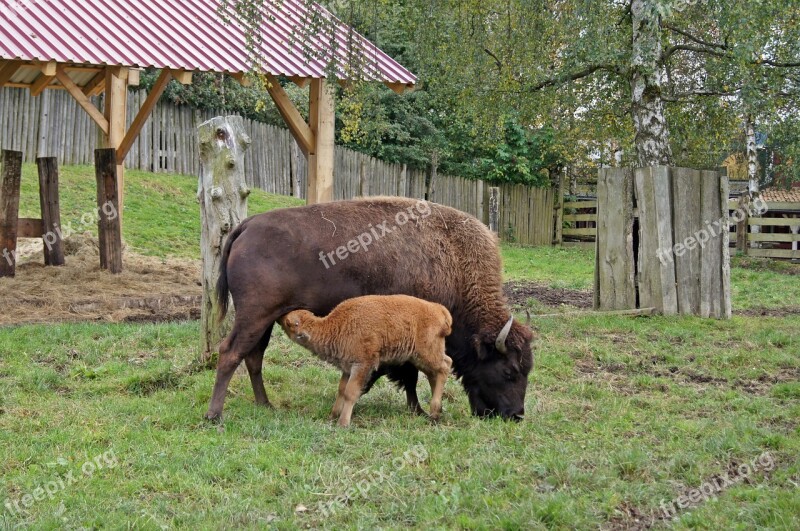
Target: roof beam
x,y
297,125
133,77
301,82
45,78
398,88
144,113
97,84
81,98
242,78
8,70
182,76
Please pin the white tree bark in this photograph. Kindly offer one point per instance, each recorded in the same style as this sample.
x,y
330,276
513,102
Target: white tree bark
x,y
222,193
649,121
752,168
752,155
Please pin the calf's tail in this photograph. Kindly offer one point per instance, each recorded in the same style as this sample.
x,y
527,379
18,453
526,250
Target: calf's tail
x,y
222,282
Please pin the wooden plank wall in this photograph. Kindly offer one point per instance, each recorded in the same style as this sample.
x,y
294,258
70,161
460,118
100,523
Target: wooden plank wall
x,y
682,260
274,163
527,214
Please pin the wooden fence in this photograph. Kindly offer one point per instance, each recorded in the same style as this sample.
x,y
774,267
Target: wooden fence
x,y
680,261
168,143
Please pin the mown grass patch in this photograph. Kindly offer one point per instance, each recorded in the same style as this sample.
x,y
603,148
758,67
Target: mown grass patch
x,y
624,415
161,212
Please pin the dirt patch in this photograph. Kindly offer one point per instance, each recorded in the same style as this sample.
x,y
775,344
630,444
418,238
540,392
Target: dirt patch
x,y
148,290
769,312
518,294
765,264
618,375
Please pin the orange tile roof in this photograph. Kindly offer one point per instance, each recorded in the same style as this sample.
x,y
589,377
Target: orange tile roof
x,y
779,195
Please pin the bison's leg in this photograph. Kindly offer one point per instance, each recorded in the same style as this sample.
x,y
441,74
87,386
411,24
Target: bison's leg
x,y
337,406
248,339
359,375
438,379
254,362
406,376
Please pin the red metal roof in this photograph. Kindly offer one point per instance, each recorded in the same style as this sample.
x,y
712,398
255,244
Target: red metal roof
x,y
188,35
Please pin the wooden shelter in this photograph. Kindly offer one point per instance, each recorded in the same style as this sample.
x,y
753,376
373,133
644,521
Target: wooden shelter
x,y
92,47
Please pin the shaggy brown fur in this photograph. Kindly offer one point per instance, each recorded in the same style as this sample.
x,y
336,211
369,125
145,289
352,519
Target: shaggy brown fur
x,y
271,265
362,333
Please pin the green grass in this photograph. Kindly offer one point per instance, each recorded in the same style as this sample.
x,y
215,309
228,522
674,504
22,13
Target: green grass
x,y
162,215
557,267
622,414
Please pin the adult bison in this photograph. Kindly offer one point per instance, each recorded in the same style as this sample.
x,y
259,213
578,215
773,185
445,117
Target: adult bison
x,y
316,256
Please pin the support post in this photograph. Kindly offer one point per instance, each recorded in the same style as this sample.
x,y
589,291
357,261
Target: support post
x,y
494,209
222,193
109,226
741,226
10,180
321,158
53,243
116,108
559,215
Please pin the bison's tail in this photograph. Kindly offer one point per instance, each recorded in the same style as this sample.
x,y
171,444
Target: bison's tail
x,y
222,281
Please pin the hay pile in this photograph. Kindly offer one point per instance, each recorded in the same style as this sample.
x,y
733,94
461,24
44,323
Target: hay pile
x,y
149,289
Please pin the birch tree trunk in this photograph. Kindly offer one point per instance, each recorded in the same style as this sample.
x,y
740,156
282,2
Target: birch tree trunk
x,y
647,108
222,193
752,169
752,155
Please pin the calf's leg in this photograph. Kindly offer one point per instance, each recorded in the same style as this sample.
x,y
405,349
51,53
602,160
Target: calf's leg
x,y
438,378
337,406
359,374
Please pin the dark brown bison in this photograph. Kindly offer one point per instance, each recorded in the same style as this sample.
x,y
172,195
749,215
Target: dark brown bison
x,y
316,256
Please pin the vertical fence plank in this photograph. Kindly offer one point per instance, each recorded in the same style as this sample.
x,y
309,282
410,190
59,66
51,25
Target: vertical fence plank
x,y
657,279
711,251
614,278
686,184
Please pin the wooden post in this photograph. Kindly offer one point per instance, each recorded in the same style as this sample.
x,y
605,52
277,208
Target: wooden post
x,y
743,215
115,111
559,214
10,180
109,226
53,243
494,209
321,159
222,193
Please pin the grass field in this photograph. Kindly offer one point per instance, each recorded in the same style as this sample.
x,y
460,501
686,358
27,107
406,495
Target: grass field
x,y
100,425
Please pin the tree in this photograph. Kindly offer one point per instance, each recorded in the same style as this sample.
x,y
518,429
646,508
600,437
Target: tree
x,y
658,79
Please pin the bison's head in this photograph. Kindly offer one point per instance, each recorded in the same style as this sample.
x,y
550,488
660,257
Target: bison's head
x,y
292,324
497,381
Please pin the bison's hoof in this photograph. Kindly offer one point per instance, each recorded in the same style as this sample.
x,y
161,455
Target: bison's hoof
x,y
215,418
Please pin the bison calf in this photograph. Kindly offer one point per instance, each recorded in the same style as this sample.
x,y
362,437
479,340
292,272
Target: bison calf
x,y
362,333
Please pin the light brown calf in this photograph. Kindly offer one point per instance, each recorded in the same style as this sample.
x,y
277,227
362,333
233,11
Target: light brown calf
x,y
361,333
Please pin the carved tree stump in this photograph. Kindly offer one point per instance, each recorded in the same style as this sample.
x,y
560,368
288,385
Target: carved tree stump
x,y
222,193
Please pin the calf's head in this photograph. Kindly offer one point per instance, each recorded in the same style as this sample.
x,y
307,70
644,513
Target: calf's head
x,y
497,381
293,324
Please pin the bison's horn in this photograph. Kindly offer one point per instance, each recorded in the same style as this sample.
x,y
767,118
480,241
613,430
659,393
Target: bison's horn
x,y
500,343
